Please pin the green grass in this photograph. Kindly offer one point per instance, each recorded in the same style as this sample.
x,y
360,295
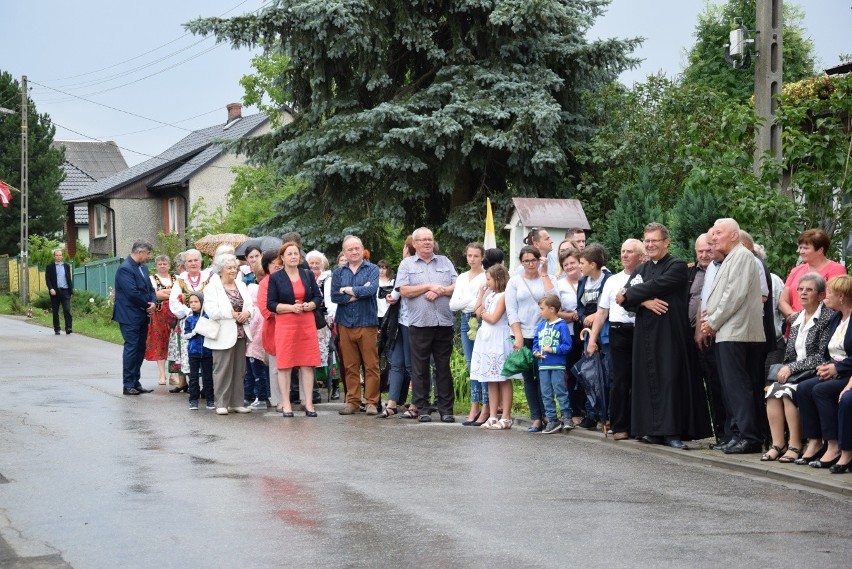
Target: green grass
x,y
93,319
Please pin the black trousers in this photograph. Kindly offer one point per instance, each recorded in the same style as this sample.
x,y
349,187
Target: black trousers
x,y
707,369
733,361
202,366
621,350
63,298
425,343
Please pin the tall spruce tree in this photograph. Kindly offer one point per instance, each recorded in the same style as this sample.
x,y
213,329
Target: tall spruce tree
x,y
46,210
411,113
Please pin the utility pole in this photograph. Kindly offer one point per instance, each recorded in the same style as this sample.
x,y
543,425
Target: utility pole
x,y
24,270
768,73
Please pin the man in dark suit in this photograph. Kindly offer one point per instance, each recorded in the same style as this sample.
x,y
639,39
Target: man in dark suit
x,y
57,276
135,301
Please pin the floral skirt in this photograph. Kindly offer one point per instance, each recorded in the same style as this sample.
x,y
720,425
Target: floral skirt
x,y
178,354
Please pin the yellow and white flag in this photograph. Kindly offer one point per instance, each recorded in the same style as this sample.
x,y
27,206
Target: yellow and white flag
x,y
490,241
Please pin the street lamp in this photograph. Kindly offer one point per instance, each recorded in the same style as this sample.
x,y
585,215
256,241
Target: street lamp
x,y
23,265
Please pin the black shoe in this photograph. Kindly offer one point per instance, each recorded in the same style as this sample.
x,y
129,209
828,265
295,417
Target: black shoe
x,y
335,394
425,418
824,463
131,391
141,389
448,419
675,443
809,459
742,446
68,331
590,424
840,468
56,332
310,413
184,389
651,439
722,445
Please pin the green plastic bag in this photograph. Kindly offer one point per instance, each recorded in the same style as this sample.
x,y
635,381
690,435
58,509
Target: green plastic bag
x,y
472,327
518,362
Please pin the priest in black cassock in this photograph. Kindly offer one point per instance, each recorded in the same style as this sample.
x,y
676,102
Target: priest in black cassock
x,y
668,405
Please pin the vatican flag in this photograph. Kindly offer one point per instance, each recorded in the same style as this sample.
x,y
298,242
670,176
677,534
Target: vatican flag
x,y
490,241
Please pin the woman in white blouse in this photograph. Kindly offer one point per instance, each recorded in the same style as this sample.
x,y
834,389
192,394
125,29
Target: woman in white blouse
x,y
805,348
468,286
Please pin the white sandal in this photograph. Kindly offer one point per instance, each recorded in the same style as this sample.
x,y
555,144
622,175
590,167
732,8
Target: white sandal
x,y
491,424
506,423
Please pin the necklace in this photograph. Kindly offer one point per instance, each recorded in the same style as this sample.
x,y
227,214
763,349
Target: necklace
x,y
193,282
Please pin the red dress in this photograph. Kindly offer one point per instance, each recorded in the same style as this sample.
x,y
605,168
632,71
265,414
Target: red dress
x,y
296,343
157,342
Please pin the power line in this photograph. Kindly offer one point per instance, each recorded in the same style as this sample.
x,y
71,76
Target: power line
x,y
216,110
134,151
110,107
149,51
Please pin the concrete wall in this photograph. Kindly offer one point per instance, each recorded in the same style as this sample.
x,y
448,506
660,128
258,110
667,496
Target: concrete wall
x,y
215,180
138,220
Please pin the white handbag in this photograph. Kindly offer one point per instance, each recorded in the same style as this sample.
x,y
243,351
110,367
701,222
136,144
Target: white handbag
x,y
207,328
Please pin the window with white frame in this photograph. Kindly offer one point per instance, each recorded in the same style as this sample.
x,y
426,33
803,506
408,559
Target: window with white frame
x,y
101,220
173,216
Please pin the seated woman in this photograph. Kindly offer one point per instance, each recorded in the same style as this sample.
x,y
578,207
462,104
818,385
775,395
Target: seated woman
x,y
844,420
805,349
819,396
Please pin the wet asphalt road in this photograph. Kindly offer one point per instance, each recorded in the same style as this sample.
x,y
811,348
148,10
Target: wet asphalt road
x,y
97,479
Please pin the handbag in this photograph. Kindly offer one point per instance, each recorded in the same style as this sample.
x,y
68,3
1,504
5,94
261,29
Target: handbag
x,y
207,328
517,362
794,378
319,316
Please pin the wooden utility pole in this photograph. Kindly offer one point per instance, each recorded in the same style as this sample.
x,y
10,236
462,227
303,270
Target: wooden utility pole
x,y
24,270
768,73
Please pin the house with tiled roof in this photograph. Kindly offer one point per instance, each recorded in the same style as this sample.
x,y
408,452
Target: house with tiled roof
x,y
86,161
157,195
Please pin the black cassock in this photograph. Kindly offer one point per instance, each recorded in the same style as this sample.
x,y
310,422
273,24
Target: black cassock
x,y
667,400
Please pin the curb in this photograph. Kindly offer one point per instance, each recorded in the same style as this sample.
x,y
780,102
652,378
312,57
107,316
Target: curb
x,y
810,478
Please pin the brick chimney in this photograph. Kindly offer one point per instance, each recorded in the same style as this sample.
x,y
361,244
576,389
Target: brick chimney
x,y
235,111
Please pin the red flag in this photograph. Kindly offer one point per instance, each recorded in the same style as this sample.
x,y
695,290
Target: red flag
x,y
5,194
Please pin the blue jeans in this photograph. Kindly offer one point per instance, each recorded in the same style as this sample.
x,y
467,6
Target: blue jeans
x,y
256,383
400,367
553,384
478,391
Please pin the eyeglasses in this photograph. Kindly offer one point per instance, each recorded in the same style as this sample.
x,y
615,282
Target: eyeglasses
x,y
529,261
652,241
427,239
804,289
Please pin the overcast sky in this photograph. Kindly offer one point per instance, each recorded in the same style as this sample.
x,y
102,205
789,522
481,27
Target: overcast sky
x,y
110,70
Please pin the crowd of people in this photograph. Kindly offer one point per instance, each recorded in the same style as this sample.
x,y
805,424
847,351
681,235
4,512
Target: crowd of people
x,y
716,348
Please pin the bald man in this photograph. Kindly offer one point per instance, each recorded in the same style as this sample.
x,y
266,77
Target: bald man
x,y
735,318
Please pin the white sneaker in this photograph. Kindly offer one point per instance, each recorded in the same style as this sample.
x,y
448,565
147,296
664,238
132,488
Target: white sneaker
x,y
258,404
221,410
241,409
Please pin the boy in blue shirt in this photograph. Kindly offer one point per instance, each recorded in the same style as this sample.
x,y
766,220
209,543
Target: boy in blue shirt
x,y
551,344
200,358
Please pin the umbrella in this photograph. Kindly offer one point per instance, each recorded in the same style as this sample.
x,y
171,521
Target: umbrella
x,y
591,375
209,243
265,243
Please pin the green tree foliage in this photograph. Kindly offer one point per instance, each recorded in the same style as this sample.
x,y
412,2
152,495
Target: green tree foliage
x,y
407,113
693,214
253,197
46,210
637,205
817,142
688,141
706,59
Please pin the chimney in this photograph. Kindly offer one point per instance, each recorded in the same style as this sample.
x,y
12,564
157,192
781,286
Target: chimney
x,y
235,111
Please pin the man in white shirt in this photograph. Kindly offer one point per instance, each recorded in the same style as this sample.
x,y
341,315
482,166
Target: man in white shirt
x,y
620,338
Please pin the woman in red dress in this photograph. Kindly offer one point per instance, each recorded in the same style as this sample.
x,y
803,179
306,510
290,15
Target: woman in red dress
x,y
293,295
157,343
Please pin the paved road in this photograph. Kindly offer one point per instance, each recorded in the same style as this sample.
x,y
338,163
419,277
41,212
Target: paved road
x,y
96,479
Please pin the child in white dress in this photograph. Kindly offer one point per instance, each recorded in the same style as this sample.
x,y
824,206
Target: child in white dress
x,y
492,346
